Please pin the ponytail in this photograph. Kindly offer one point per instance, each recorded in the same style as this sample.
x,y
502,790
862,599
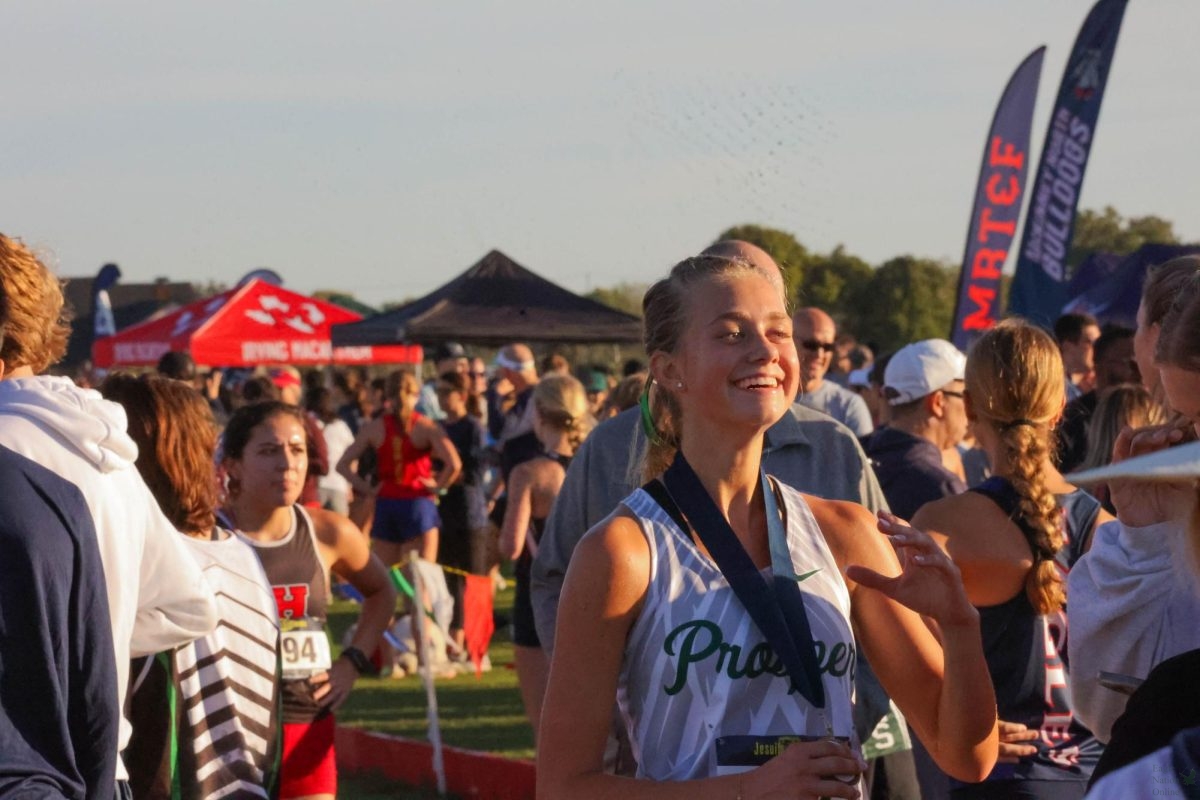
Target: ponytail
x,y
562,404
661,418
1028,445
1016,383
404,391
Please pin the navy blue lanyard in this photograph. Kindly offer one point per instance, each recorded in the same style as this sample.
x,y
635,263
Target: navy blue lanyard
x,y
776,606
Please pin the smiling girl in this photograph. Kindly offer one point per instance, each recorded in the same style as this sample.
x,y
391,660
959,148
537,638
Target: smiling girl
x,y
648,617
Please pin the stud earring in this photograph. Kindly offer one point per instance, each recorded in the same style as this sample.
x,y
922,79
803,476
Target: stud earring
x,y
679,384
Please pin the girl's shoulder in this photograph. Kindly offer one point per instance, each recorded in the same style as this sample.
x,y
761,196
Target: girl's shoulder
x,y
617,545
847,527
329,527
973,528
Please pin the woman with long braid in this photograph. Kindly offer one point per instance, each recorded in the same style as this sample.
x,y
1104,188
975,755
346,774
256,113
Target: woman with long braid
x,y
1014,537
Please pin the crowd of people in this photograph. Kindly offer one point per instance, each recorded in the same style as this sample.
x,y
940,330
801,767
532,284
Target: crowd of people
x,y
734,565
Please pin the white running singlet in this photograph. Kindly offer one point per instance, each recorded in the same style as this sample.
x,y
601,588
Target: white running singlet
x,y
696,667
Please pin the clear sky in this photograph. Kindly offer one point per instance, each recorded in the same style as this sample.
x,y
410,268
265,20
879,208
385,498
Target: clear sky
x,y
382,147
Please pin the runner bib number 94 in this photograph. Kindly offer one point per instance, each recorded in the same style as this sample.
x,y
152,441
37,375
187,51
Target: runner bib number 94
x,y
304,654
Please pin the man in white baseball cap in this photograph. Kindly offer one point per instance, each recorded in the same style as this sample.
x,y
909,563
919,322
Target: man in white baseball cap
x,y
923,384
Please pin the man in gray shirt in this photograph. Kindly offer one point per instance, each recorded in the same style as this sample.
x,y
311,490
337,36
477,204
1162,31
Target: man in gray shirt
x,y
814,331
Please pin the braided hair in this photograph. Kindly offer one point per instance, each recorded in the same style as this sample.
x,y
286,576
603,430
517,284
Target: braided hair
x,y
1017,385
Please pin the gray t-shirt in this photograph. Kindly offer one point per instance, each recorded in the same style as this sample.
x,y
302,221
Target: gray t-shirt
x,y
842,404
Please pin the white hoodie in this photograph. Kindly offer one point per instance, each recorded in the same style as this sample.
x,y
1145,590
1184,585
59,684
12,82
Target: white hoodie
x,y
157,597
1134,603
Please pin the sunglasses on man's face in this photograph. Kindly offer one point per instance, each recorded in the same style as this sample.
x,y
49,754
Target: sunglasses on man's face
x,y
813,346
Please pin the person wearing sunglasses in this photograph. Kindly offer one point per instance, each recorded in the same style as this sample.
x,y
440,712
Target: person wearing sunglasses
x,y
815,332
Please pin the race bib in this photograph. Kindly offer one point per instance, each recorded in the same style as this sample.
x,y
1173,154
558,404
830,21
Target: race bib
x,y
304,654
754,751
739,753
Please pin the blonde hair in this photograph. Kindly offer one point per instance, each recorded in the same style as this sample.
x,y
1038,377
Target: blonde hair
x,y
36,325
1016,383
664,317
403,388
561,403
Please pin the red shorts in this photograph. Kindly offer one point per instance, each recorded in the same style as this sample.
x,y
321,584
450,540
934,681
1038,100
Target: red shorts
x,y
308,764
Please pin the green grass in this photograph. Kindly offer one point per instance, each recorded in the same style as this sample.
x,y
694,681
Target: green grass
x,y
484,714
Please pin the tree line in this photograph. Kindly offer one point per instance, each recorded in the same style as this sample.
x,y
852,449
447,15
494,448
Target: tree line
x,y
906,298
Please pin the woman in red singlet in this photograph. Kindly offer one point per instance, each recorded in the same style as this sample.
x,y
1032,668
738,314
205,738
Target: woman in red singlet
x,y
406,518
266,459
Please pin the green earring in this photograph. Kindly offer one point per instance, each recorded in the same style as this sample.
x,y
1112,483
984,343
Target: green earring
x,y
648,427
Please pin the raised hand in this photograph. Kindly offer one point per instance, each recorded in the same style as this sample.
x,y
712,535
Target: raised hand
x,y
929,582
1140,503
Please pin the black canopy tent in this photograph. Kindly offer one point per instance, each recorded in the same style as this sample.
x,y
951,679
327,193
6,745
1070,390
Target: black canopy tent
x,y
495,302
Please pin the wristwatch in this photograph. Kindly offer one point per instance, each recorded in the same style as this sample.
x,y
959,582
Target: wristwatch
x,y
358,659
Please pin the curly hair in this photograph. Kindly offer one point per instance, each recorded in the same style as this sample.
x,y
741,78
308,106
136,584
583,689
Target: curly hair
x,y
36,324
1017,386
561,403
664,317
176,437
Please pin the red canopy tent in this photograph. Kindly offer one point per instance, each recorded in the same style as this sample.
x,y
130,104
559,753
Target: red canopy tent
x,y
256,323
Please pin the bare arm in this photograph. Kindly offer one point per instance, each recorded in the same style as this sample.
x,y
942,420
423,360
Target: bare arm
x,y
602,597
370,436
518,513
435,438
945,691
343,547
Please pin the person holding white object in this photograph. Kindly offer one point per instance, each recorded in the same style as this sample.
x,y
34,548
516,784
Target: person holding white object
x,y
1135,597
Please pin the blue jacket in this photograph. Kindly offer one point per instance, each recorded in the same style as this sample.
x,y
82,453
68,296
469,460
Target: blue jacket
x,y
58,678
909,470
